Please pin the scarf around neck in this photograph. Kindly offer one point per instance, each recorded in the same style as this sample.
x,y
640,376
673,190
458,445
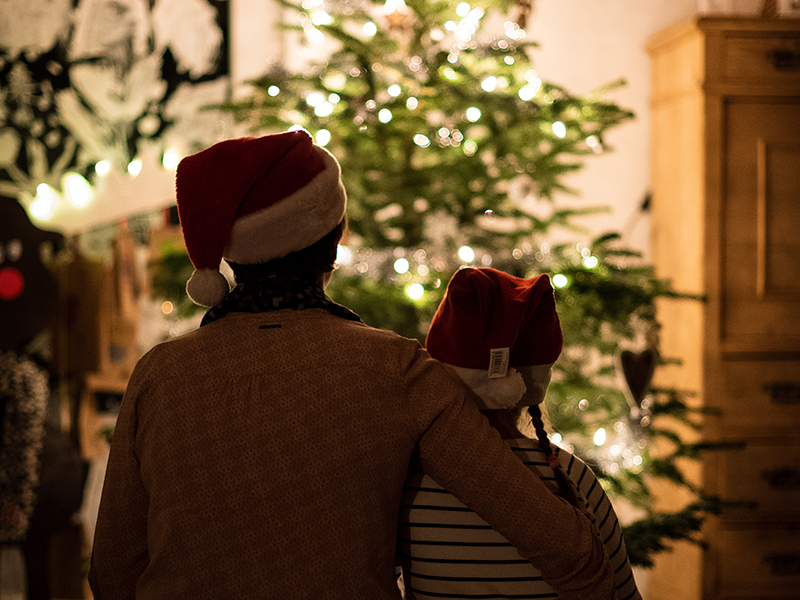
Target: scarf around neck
x,y
273,292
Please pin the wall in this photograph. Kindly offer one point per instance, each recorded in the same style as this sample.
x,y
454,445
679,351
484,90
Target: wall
x,y
584,45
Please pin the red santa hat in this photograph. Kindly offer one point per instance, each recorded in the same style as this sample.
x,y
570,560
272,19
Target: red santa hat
x,y
501,335
251,200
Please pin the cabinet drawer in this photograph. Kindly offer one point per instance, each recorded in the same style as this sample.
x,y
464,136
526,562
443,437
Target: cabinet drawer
x,y
750,56
766,474
762,563
758,398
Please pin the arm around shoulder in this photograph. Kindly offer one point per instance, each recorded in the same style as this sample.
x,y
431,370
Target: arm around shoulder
x,y
464,454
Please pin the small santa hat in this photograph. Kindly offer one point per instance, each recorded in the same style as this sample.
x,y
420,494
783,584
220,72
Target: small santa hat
x,y
251,200
500,334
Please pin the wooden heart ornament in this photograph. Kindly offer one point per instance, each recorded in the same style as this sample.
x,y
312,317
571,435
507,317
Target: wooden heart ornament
x,y
638,369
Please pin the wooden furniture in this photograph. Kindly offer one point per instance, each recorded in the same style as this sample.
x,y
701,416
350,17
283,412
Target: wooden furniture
x,y
726,224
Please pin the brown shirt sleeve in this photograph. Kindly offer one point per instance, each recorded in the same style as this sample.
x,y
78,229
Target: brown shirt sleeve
x,y
119,554
465,455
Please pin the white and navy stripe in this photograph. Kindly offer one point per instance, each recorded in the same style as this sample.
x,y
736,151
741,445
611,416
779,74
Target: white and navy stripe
x,y
447,551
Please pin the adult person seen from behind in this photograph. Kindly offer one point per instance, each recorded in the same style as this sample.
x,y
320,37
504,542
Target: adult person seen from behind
x,y
501,335
263,454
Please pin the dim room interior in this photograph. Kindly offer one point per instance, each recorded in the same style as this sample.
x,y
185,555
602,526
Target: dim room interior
x,y
696,171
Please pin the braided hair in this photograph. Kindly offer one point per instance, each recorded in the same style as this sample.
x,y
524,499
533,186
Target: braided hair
x,y
565,484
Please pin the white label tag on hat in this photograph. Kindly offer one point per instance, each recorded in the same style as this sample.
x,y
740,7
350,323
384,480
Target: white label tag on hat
x,y
498,362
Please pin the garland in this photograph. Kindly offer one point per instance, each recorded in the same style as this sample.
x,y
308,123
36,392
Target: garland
x,y
24,390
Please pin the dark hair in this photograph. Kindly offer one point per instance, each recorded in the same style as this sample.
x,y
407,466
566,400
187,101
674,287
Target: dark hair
x,y
309,264
565,484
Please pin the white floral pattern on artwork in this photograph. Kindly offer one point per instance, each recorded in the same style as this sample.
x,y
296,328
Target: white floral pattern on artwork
x,y
32,25
115,30
189,28
9,146
120,99
193,127
115,102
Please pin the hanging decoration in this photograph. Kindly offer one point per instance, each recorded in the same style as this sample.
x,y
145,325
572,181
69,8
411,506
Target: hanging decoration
x,y
638,369
27,286
23,398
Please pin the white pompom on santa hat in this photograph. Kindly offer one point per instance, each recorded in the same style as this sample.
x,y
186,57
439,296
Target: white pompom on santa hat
x,y
500,334
252,200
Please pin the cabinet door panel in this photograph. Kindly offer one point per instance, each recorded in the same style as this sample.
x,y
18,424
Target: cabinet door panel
x,y
758,398
749,55
766,475
761,226
761,562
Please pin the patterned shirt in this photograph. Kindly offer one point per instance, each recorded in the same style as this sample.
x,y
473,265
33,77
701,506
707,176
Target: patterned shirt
x,y
447,551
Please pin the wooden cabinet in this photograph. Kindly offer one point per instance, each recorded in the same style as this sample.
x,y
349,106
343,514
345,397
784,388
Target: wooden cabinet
x,y
726,224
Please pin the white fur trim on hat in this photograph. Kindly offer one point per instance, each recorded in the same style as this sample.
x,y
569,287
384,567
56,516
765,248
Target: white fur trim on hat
x,y
293,223
523,386
207,287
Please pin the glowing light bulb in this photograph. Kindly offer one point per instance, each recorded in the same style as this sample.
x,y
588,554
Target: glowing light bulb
x,y
370,29
393,6
415,291
590,262
273,90
334,98
412,103
422,140
171,160
320,17
102,168
560,280
314,35
462,10
77,190
466,254
45,202
344,256
473,114
323,137
315,99
559,129
324,110
384,115
600,437
530,90
167,307
401,266
135,167
489,83
556,438
394,90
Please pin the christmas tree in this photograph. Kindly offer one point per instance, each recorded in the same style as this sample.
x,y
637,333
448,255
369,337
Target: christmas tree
x,y
454,153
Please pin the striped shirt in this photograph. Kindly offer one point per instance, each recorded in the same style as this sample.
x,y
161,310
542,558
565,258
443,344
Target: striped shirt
x,y
447,551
